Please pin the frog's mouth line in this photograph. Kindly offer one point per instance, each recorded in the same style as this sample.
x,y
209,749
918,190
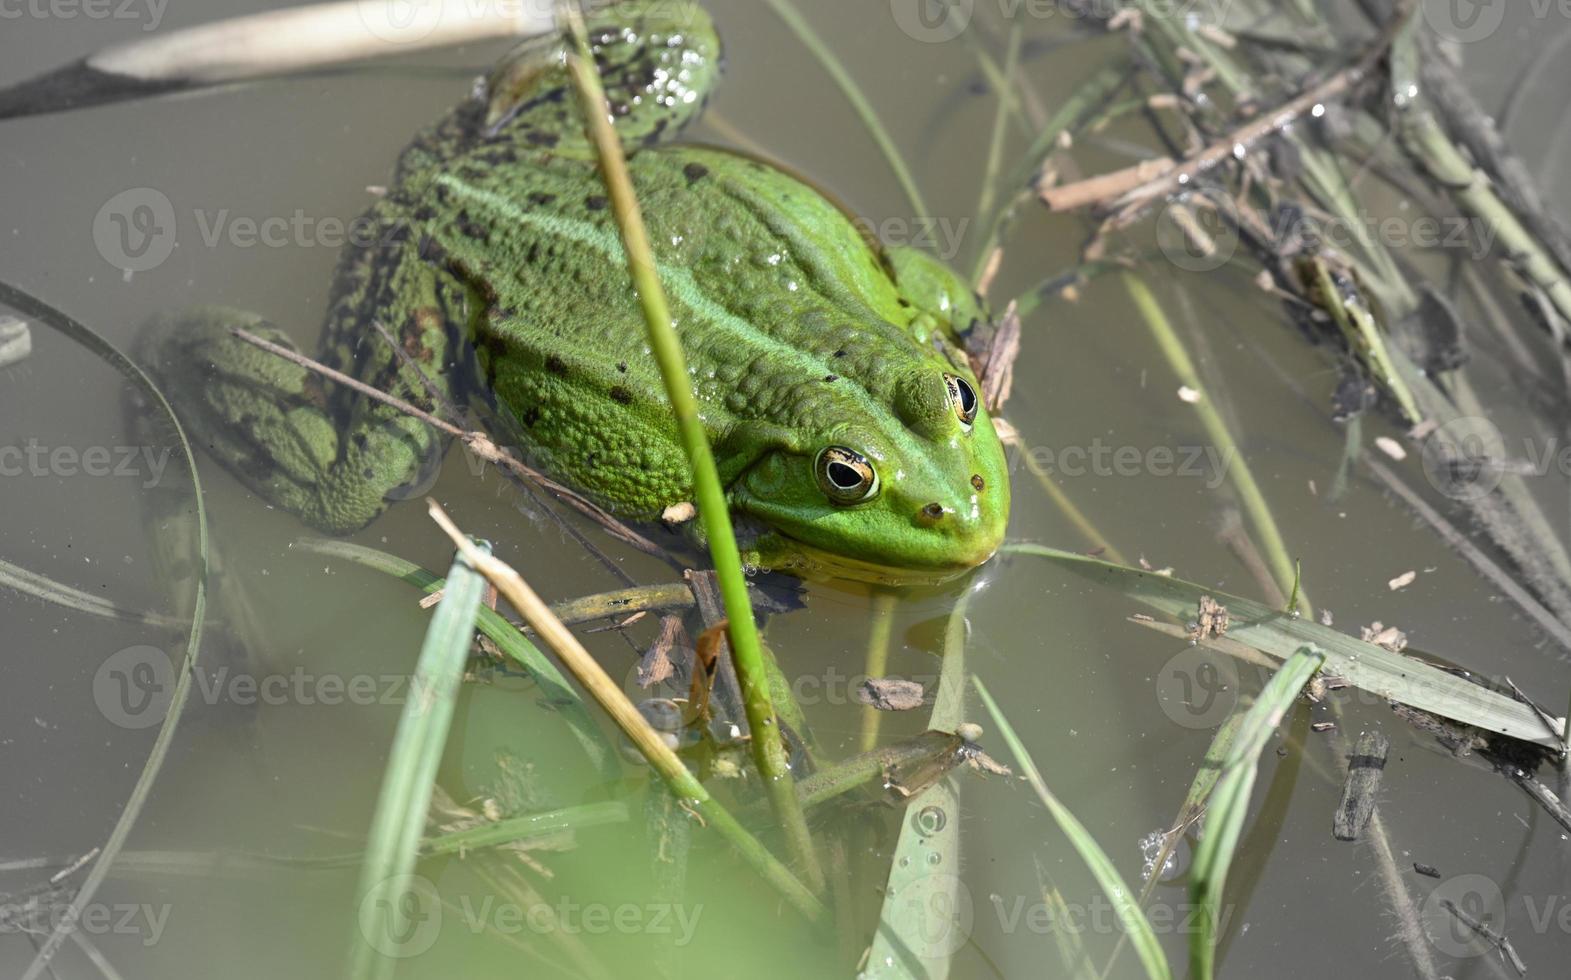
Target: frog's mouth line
x,y
810,561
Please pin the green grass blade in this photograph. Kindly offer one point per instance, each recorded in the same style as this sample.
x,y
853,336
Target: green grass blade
x,y
1136,926
925,917
1372,668
400,818
1230,803
65,924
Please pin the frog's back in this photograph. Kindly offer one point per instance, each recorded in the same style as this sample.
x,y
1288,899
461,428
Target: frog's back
x,y
786,315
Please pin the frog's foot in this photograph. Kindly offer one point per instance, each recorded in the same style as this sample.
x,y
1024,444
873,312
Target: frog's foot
x,y
269,421
658,59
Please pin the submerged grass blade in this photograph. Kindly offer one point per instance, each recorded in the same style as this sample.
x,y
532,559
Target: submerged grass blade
x,y
65,924
45,588
528,827
917,932
1230,802
769,752
399,822
1372,668
1136,926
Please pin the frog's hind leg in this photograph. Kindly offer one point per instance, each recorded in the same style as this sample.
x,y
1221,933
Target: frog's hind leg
x,y
659,61
319,449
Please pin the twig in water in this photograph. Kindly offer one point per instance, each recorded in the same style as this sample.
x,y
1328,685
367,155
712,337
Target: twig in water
x,y
1495,939
1148,180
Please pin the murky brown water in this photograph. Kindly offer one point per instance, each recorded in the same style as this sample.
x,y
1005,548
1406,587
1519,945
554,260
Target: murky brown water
x,y
1116,717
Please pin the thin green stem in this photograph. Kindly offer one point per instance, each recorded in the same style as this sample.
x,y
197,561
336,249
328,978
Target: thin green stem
x,y
882,616
768,749
787,12
995,143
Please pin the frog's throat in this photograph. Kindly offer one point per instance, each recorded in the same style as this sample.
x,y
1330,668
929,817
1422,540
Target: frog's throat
x,y
780,552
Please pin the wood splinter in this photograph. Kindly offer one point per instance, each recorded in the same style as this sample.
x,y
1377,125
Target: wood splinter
x,y
1364,769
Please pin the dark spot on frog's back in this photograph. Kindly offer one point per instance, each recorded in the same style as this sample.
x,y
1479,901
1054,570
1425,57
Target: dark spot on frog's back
x,y
694,172
621,395
471,228
556,365
466,275
540,137
539,198
431,250
595,202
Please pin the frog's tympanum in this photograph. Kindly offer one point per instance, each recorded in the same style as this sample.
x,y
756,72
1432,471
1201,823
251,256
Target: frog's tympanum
x,y
845,420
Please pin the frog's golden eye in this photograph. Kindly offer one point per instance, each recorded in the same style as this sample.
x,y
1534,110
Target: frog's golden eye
x,y
845,476
962,398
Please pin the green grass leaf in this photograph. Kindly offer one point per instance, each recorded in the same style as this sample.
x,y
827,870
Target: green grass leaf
x,y
399,823
1375,669
925,916
1230,802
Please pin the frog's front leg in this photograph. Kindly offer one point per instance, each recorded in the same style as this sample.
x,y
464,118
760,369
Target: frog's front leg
x,y
943,300
328,454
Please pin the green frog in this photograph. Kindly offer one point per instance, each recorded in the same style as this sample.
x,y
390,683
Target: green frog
x,y
845,419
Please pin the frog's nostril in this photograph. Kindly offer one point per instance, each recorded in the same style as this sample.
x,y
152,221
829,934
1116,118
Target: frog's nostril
x,y
932,513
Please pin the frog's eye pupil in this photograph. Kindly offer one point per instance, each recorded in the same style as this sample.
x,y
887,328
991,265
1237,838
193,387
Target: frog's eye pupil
x,y
845,476
962,397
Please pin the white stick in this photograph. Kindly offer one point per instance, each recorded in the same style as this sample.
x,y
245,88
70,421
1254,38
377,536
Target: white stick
x,y
284,41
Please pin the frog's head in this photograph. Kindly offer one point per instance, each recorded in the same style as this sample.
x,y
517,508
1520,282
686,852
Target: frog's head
x,y
915,491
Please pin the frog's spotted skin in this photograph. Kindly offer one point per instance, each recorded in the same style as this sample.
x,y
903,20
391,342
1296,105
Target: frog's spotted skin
x,y
497,233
